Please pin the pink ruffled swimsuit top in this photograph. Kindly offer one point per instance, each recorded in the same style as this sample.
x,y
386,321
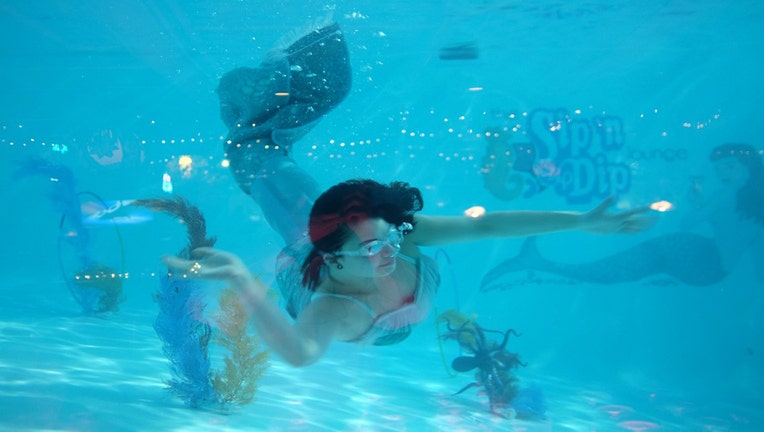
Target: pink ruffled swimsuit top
x,y
394,326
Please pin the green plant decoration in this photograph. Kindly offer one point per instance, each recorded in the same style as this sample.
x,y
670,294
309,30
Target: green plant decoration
x,y
245,362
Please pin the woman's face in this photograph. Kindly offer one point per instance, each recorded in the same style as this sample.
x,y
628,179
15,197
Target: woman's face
x,y
731,172
371,250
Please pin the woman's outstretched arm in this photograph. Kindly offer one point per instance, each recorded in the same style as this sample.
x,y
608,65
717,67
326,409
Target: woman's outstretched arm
x,y
300,343
435,230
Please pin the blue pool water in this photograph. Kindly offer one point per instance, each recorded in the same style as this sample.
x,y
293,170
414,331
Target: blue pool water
x,y
591,99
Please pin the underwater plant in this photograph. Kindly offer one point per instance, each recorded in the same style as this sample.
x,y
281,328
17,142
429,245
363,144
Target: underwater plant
x,y
186,334
97,287
185,340
236,384
493,365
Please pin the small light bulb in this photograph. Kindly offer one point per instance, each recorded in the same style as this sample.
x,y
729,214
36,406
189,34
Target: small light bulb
x,y
661,206
475,212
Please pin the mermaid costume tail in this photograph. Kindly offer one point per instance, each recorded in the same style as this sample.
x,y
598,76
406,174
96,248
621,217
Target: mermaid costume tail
x,y
685,257
269,108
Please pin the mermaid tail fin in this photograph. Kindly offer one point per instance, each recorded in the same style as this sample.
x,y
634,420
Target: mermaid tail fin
x,y
529,252
686,257
269,108
529,258
284,98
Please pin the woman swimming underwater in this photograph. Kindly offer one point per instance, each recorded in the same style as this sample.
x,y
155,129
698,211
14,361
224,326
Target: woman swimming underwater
x,y
358,275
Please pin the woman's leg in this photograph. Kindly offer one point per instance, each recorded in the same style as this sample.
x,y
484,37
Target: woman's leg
x,y
269,108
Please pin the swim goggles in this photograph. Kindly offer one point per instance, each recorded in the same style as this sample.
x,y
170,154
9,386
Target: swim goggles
x,y
374,247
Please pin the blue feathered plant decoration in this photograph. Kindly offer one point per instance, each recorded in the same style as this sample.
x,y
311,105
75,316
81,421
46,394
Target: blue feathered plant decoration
x,y
185,339
186,334
96,287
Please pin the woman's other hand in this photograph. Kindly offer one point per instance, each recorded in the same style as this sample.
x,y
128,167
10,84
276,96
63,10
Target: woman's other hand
x,y
599,220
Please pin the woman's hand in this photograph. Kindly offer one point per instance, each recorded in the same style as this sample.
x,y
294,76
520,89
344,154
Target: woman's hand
x,y
300,344
211,264
599,220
